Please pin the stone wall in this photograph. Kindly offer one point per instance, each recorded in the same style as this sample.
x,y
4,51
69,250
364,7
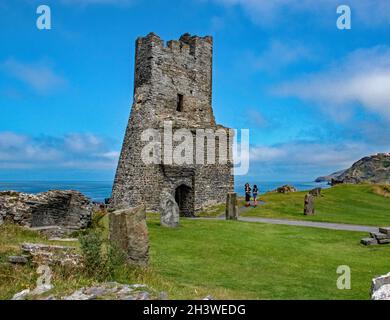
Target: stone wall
x,y
166,76
52,208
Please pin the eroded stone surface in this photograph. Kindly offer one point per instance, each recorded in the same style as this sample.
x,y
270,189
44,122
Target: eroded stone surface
x,y
173,88
380,288
129,232
64,210
381,237
231,206
309,205
286,189
316,192
18,259
43,254
102,291
169,211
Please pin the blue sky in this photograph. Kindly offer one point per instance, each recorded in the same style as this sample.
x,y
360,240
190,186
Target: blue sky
x,y
314,97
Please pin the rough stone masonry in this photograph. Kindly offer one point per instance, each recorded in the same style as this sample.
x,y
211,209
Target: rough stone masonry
x,y
62,208
173,82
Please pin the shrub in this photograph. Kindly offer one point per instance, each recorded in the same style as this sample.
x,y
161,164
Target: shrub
x,y
383,191
97,219
101,259
91,247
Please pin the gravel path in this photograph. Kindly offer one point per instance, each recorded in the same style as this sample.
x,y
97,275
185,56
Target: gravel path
x,y
323,225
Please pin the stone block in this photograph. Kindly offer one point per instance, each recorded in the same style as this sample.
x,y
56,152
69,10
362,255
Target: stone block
x,y
385,230
18,259
369,241
316,192
129,233
169,211
231,206
379,236
308,209
44,254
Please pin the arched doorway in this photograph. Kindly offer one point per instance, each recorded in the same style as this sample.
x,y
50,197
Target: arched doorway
x,y
184,197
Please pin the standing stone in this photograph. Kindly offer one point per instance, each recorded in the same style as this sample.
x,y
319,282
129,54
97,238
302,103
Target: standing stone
x,y
170,212
316,192
231,206
309,205
129,233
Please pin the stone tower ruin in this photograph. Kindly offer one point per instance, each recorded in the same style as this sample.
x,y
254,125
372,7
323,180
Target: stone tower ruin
x,y
173,85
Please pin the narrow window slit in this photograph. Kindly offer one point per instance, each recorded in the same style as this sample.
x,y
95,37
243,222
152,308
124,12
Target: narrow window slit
x,y
180,102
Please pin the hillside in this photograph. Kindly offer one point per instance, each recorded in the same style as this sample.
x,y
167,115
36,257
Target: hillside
x,y
361,204
371,169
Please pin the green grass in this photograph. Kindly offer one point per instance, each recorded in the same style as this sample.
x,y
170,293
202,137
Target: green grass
x,y
351,204
259,261
213,211
236,260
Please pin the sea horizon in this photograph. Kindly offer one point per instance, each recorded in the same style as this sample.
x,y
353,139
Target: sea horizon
x,y
99,190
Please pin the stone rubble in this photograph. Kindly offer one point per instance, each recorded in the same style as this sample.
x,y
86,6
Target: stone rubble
x,y
18,259
103,291
55,211
286,189
380,288
381,237
43,254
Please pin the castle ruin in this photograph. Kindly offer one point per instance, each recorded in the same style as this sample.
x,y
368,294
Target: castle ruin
x,y
173,84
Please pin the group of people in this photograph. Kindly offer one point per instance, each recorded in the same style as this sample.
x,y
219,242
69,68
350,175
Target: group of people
x,y
248,192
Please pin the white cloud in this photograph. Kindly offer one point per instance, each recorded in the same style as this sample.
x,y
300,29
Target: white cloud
x,y
39,76
281,54
313,154
367,12
78,151
362,79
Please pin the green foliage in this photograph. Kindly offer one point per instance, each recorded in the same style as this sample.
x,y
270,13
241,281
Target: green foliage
x,y
97,219
386,163
101,259
91,247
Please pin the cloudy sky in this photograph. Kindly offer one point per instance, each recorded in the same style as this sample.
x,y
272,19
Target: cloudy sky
x,y
315,98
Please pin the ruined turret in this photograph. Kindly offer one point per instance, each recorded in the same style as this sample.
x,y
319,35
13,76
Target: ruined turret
x,y
173,89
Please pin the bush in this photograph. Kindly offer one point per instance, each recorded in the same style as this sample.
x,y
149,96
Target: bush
x,y
101,260
97,219
91,247
383,191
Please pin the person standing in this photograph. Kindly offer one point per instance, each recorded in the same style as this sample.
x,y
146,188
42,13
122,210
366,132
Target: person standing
x,y
247,194
255,192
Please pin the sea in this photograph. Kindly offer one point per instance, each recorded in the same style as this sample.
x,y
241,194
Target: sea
x,y
98,191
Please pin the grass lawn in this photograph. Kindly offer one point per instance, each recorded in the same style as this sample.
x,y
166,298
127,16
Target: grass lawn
x,y
260,261
227,260
351,204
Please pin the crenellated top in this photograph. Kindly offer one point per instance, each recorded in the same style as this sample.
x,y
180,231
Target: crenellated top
x,y
186,44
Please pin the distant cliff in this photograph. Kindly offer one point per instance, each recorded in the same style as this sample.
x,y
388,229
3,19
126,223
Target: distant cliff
x,y
329,177
372,169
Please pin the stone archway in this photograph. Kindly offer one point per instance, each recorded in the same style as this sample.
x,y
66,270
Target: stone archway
x,y
184,196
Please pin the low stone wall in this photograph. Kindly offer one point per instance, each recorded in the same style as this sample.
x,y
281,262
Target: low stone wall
x,y
69,209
